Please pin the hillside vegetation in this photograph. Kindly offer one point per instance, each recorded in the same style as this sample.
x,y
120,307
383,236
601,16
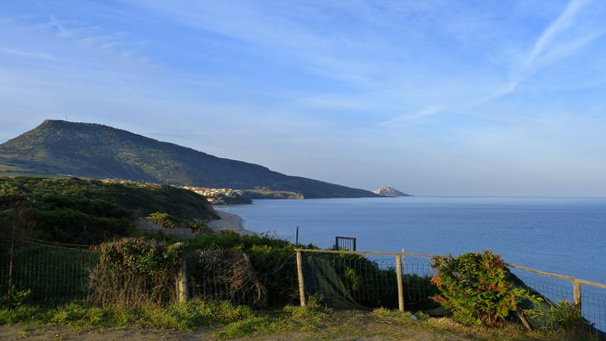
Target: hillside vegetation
x,y
90,211
62,148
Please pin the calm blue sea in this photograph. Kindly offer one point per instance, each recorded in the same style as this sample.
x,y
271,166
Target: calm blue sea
x,y
562,235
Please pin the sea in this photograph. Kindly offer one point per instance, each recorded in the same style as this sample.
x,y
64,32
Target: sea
x,y
554,234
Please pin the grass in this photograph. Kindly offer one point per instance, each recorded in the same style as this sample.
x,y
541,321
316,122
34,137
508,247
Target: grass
x,y
182,316
225,321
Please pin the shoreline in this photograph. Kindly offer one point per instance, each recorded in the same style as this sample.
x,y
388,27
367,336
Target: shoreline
x,y
230,222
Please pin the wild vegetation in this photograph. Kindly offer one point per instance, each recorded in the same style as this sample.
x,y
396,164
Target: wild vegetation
x,y
81,211
478,290
264,193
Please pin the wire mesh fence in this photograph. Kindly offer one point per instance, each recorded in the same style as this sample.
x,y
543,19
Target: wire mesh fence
x,y
359,281
593,307
593,300
57,274
224,275
52,274
418,288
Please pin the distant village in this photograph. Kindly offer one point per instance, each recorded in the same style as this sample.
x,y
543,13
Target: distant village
x,y
218,196
215,196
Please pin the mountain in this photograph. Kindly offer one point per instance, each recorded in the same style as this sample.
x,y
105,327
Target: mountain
x,y
63,148
389,192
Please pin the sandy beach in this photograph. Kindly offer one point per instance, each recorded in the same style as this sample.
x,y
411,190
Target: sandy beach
x,y
229,221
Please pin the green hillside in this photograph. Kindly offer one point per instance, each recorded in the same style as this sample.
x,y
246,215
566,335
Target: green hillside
x,y
61,148
89,211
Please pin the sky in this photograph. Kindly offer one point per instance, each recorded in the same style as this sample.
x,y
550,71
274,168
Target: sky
x,y
431,97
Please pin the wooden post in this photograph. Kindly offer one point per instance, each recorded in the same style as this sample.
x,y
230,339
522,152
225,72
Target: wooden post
x,y
181,279
11,265
577,294
297,236
301,279
182,294
400,283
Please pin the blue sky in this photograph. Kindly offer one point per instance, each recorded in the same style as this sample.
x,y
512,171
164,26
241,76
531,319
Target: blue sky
x,y
431,97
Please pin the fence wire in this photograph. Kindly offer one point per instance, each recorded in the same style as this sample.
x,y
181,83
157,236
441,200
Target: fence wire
x,y
53,274
418,288
57,274
593,300
224,275
356,281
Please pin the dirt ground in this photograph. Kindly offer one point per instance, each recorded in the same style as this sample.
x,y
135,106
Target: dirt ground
x,y
348,326
59,332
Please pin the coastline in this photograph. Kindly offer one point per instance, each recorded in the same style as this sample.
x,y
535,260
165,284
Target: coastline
x,y
230,222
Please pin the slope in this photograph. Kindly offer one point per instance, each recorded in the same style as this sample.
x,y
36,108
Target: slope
x,y
97,151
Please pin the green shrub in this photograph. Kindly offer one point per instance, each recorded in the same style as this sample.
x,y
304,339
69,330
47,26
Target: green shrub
x,y
477,289
15,298
243,328
162,219
564,315
135,272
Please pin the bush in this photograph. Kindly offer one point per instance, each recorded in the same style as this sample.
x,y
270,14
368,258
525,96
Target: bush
x,y
477,289
162,219
135,272
564,315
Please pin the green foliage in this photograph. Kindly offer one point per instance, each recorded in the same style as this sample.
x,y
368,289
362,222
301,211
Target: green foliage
x,y
180,316
162,219
90,211
15,298
564,315
396,317
297,319
477,289
243,328
135,272
270,194
138,256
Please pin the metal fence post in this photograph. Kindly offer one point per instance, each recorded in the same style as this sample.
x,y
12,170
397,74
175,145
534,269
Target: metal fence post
x,y
400,283
300,276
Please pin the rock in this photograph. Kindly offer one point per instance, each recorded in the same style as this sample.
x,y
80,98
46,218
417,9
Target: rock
x,y
389,192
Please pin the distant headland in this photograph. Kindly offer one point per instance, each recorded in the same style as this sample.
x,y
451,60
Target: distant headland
x,y
390,192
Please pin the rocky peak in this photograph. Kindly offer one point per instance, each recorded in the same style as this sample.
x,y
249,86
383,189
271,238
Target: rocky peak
x,y
389,192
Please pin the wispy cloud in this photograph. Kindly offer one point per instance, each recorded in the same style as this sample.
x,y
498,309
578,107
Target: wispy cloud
x,y
558,40
29,54
563,37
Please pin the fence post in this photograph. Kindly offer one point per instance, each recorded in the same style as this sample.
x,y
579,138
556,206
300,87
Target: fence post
x,y
11,266
400,283
577,293
181,279
182,293
300,276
